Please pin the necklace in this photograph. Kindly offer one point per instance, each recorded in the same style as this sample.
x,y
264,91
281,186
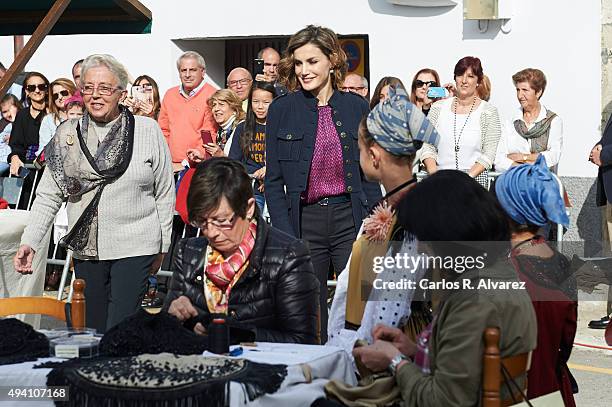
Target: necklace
x,y
456,138
399,187
518,247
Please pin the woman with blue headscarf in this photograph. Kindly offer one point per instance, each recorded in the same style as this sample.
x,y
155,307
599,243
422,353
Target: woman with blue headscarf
x,y
531,197
388,140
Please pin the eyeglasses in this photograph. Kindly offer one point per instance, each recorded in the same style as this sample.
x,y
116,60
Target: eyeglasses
x,y
64,93
222,224
102,90
244,81
352,88
419,84
41,87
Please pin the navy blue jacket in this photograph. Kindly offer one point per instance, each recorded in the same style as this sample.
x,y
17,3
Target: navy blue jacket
x,y
291,130
604,176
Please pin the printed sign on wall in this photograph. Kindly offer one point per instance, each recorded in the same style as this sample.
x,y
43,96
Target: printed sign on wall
x,y
354,48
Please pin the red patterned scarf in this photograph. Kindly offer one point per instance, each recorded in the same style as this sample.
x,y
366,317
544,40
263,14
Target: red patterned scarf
x,y
222,274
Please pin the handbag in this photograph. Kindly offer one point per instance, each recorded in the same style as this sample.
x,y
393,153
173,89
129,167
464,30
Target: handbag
x,y
483,179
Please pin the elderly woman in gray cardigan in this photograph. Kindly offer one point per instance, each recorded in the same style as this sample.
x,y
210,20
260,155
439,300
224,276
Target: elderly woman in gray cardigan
x,y
114,170
469,127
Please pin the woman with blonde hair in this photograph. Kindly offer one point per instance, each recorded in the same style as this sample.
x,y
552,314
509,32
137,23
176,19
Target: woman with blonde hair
x,y
227,111
61,90
313,185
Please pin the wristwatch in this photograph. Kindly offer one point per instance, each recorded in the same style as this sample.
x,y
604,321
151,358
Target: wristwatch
x,y
525,157
397,359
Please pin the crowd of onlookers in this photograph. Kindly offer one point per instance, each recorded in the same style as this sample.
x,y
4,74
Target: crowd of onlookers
x,y
332,167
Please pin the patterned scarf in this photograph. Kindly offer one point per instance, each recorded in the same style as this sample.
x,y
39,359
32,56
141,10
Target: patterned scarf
x,y
400,127
78,172
225,131
222,274
538,134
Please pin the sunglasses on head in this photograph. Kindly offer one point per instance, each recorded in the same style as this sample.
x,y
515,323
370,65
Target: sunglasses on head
x,y
419,83
64,93
41,87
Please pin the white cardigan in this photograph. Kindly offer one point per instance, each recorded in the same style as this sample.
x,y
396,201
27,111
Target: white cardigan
x,y
490,131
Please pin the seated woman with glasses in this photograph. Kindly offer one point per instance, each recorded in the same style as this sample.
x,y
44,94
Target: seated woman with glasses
x,y
259,277
422,81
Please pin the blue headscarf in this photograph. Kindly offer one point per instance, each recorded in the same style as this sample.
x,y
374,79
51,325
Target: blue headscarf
x,y
396,123
530,195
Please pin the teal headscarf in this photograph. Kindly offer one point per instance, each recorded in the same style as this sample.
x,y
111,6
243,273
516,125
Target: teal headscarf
x,y
396,124
530,195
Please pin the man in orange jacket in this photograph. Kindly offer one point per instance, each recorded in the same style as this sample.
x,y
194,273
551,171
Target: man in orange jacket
x,y
184,111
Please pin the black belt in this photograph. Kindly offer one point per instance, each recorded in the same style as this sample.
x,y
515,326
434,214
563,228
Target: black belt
x,y
328,200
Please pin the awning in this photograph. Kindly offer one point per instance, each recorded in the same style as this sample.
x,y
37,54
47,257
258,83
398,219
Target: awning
x,y
40,18
22,17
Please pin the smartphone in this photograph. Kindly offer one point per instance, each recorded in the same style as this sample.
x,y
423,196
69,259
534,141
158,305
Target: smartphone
x,y
206,137
259,67
436,92
138,93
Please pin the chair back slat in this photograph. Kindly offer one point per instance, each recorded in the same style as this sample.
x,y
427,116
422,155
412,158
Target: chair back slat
x,y
492,376
49,306
491,369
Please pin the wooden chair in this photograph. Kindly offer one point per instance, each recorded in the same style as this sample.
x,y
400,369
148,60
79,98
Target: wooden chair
x,y
71,312
492,376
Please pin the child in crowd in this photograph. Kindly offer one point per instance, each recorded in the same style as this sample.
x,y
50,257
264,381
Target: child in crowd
x,y
250,147
74,107
9,106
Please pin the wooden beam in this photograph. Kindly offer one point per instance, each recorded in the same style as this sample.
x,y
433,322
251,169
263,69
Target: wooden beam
x,y
17,44
70,16
37,38
135,9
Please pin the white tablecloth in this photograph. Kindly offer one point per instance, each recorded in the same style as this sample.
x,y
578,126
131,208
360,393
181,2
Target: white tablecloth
x,y
13,284
324,363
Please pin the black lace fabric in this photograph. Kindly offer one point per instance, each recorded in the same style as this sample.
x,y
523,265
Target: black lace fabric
x,y
151,333
19,342
152,360
163,380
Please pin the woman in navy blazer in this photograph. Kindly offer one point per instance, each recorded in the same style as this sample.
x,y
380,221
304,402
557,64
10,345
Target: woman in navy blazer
x,y
314,186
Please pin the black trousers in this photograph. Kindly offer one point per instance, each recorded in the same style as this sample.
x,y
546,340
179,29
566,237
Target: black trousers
x,y
329,232
113,288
